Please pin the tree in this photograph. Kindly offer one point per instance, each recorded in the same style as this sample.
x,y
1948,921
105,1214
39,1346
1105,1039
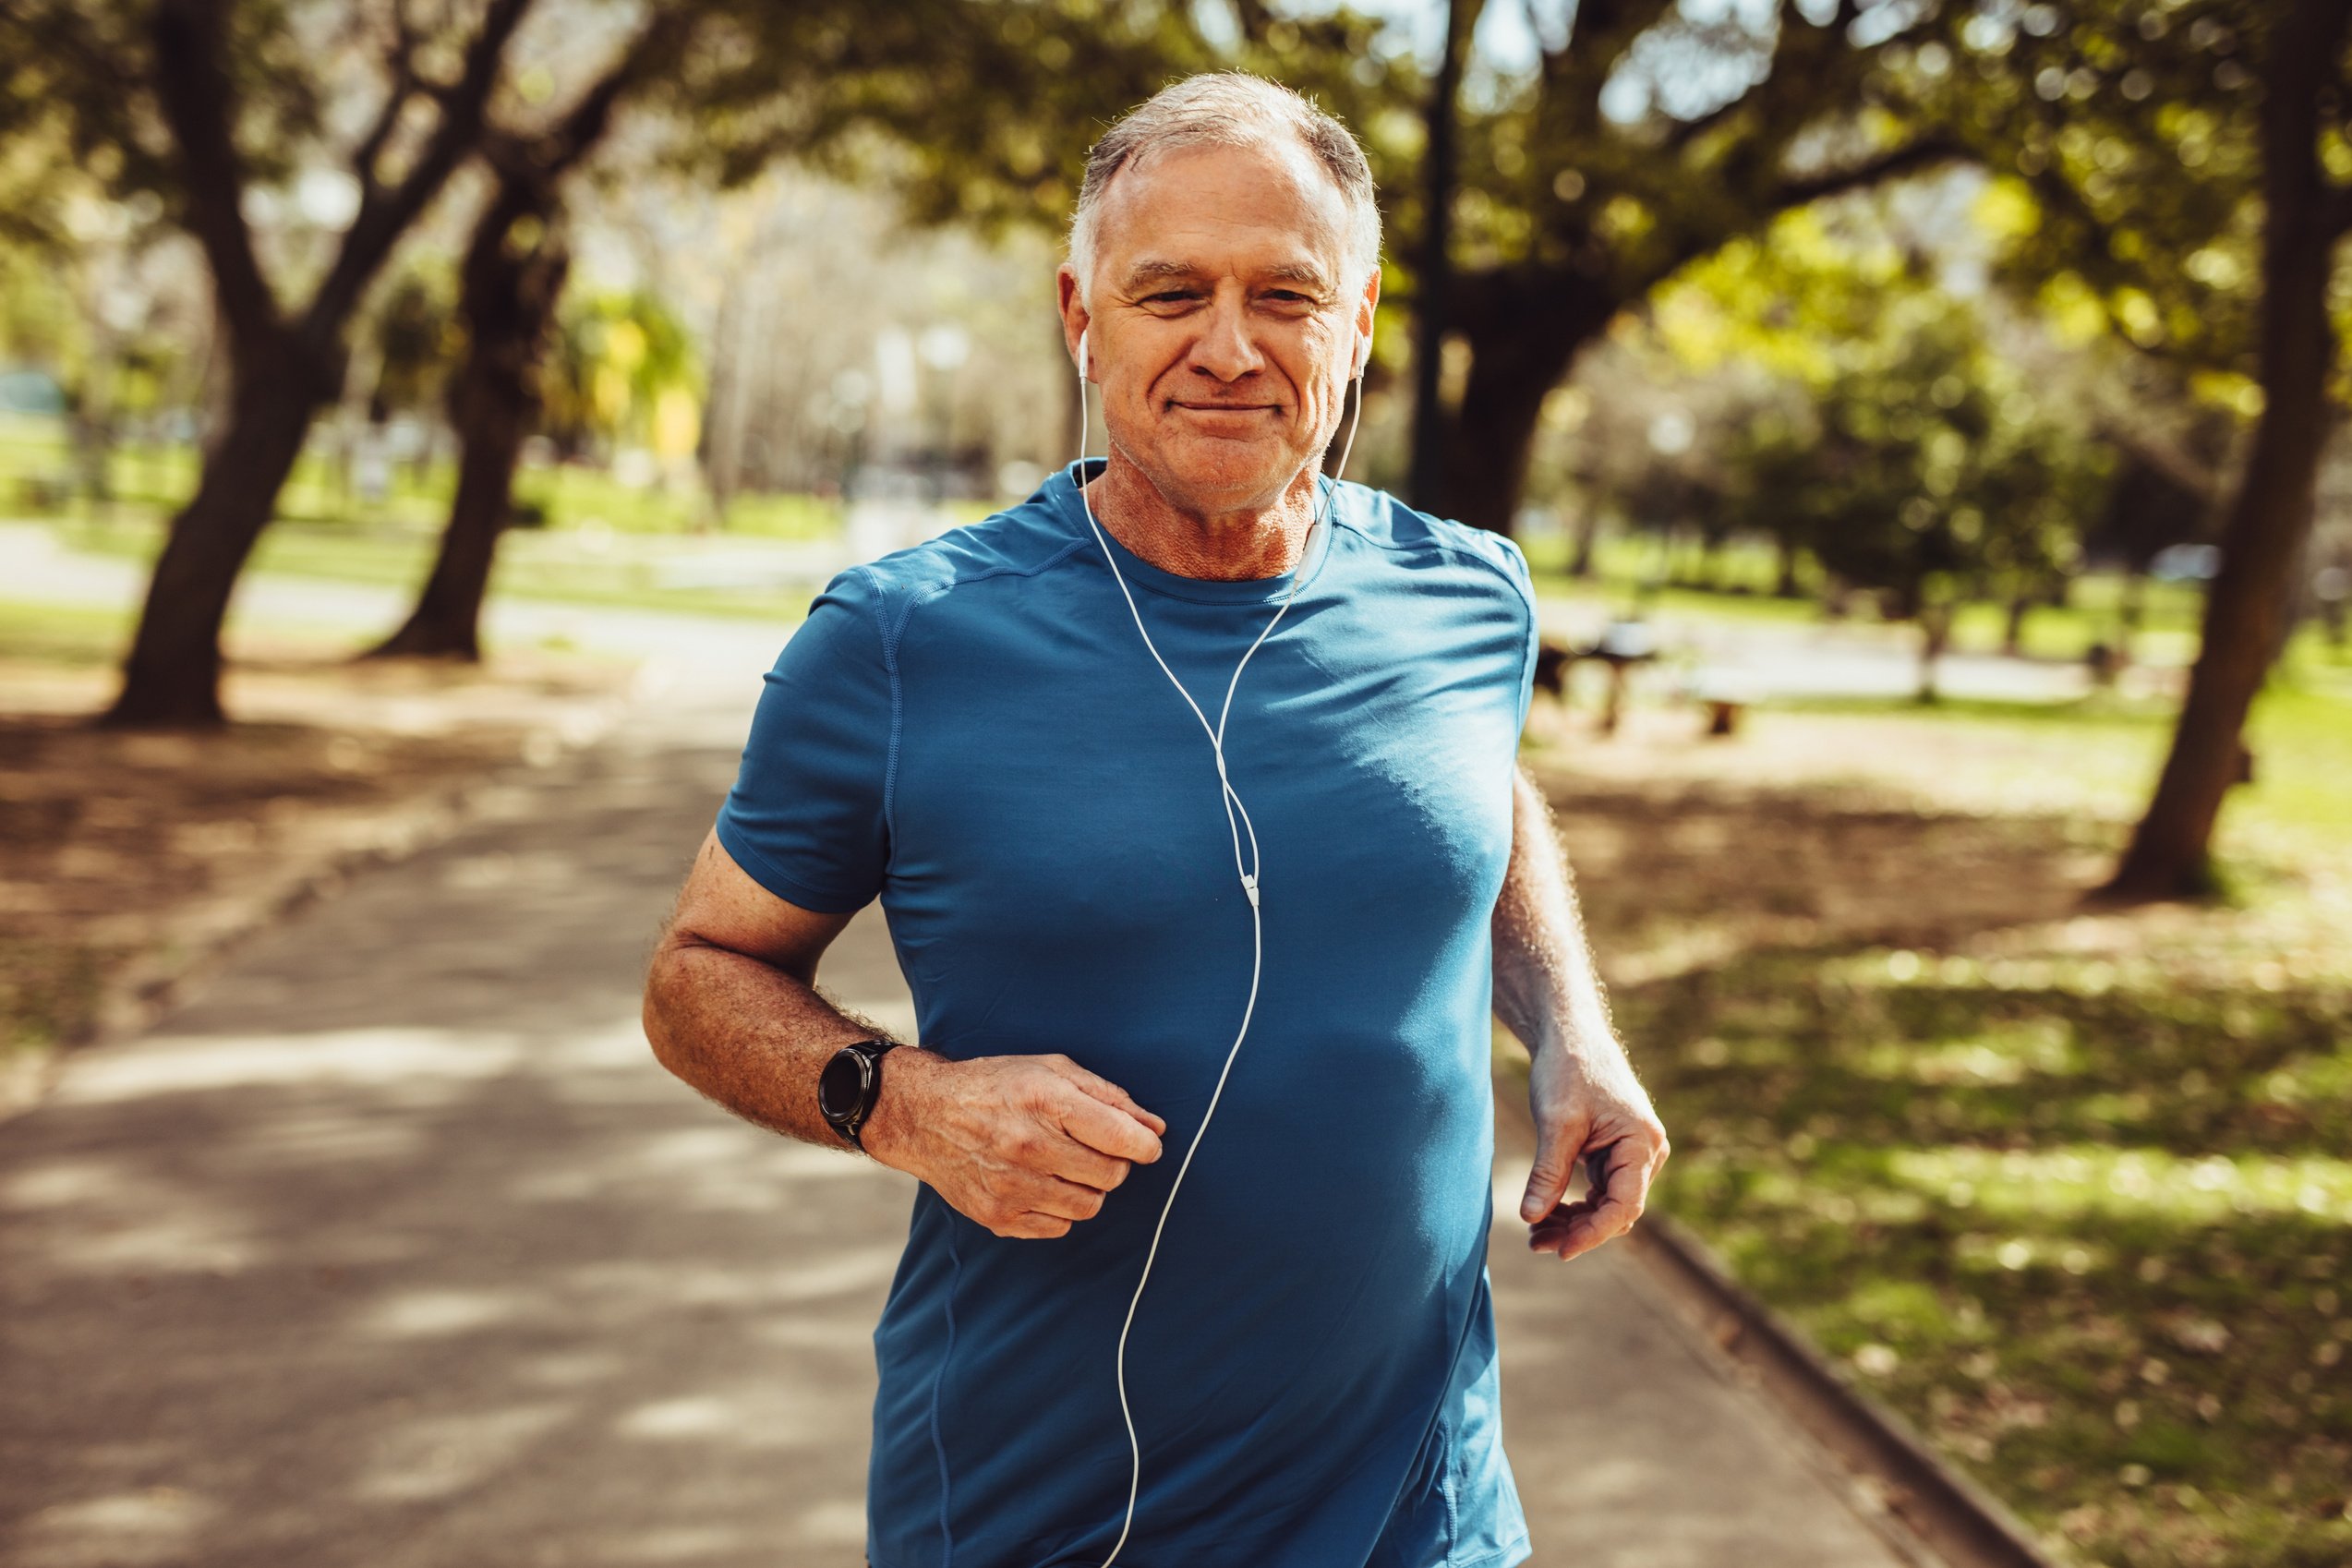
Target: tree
x,y
1918,461
512,278
1434,271
1608,168
231,89
2179,160
2305,116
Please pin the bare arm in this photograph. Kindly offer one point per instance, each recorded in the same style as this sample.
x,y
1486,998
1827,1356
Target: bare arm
x,y
1580,1086
1025,1145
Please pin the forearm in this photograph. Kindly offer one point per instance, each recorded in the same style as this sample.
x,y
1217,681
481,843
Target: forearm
x,y
747,1035
1545,989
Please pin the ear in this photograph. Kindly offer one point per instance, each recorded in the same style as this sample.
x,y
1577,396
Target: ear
x,y
1367,315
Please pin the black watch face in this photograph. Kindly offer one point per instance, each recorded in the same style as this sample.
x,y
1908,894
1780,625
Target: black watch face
x,y
840,1089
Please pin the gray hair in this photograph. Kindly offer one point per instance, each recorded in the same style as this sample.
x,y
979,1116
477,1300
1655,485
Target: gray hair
x,y
1228,109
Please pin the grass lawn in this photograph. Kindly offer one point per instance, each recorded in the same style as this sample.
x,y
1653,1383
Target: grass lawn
x,y
2071,1190
2093,611
570,566
604,543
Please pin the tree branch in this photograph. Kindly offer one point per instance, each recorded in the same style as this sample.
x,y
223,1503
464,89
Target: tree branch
x,y
192,87
652,53
1925,152
399,65
1603,31
465,109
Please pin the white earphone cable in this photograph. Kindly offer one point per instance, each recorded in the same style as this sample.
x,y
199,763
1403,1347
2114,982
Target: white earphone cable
x,y
1249,874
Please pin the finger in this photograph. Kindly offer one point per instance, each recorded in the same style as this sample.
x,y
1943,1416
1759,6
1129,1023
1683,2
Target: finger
x,y
1556,1150
1580,1227
1565,1233
1056,1199
1035,1226
1111,1129
1109,1094
1072,1160
1572,1235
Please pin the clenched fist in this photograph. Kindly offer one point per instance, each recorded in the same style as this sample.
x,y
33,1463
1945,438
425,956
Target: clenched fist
x,y
1025,1145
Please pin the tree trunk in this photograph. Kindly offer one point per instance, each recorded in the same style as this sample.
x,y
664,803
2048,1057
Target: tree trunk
x,y
1522,339
1433,280
1588,540
2013,629
1935,637
2271,514
172,678
510,290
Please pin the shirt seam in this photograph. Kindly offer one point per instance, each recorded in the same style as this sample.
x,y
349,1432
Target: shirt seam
x,y
1437,1416
892,631
891,666
1499,1554
938,1385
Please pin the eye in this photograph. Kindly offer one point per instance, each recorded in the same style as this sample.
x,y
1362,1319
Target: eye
x,y
1171,293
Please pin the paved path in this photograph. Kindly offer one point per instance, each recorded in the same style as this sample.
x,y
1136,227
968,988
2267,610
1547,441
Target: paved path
x,y
396,1248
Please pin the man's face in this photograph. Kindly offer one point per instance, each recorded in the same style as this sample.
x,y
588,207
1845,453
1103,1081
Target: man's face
x,y
1222,330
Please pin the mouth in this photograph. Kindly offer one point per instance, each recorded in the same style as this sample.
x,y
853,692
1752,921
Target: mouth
x,y
1228,407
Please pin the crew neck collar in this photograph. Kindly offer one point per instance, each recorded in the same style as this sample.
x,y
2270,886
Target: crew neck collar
x,y
1062,492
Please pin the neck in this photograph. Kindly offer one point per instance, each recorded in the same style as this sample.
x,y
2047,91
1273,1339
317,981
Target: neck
x,y
1231,546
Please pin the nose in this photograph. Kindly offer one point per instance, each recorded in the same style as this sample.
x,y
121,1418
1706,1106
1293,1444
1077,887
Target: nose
x,y
1224,348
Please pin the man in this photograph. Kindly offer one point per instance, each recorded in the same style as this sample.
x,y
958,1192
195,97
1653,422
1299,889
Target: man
x,y
977,731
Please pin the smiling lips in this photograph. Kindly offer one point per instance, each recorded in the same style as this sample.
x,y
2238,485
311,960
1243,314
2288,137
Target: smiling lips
x,y
1229,407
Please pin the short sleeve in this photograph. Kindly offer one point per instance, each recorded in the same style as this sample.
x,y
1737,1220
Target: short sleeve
x,y
1526,581
807,818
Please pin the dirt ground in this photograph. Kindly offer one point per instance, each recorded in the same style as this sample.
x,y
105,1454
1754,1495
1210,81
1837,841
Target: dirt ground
x,y
1810,829
128,861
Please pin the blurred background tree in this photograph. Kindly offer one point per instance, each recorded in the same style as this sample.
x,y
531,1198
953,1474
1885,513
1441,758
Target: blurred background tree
x,y
2184,164
211,108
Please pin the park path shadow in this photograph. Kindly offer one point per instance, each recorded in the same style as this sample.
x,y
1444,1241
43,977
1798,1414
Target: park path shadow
x,y
396,1247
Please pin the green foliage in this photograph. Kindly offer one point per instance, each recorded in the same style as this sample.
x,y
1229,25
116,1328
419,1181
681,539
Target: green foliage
x,y
1918,459
2124,137
983,114
614,357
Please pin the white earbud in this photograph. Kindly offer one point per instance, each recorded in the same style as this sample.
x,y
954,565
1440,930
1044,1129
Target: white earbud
x,y
1238,824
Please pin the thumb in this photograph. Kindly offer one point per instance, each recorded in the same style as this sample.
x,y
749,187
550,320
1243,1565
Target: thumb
x,y
1556,1148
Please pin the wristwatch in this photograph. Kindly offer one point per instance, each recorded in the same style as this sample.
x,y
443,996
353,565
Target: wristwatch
x,y
850,1083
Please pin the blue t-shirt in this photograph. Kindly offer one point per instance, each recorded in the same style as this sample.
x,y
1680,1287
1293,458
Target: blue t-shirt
x,y
972,730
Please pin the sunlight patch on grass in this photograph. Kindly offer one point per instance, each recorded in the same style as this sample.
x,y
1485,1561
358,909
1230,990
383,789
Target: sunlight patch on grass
x,y
2078,1180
